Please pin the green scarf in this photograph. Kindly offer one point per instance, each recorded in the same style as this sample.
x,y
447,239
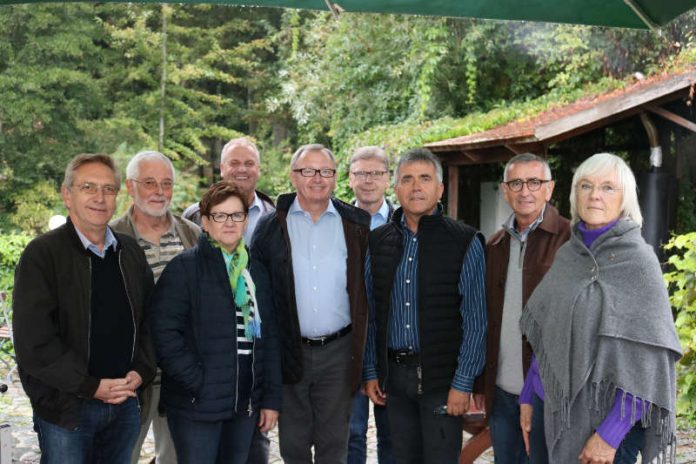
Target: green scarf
x,y
238,261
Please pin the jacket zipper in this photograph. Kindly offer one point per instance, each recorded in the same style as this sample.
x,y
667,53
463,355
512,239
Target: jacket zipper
x,y
250,409
89,313
130,303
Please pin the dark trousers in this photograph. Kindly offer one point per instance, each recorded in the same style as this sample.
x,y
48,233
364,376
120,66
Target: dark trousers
x,y
260,445
316,411
420,436
106,434
627,452
357,444
214,442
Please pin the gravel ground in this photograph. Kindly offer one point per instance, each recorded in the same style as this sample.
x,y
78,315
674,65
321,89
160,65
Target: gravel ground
x,y
16,411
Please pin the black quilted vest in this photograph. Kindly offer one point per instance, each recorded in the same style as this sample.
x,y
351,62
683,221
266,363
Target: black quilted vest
x,y
442,245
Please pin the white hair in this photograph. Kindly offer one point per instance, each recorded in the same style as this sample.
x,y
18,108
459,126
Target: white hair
x,y
240,142
311,147
602,164
527,158
133,168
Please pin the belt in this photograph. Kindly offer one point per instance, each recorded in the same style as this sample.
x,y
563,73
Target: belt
x,y
404,357
326,339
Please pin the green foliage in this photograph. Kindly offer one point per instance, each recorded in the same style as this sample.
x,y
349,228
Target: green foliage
x,y
11,247
682,284
34,206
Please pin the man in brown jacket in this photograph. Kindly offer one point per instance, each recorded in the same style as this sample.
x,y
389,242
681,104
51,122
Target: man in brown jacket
x,y
518,256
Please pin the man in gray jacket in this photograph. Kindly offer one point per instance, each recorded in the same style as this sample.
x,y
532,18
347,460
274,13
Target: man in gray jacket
x,y
150,180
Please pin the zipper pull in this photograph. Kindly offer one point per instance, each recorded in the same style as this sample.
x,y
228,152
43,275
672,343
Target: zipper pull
x,y
250,410
420,380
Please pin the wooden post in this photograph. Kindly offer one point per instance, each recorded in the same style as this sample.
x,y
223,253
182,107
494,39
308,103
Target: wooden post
x,y
5,444
453,191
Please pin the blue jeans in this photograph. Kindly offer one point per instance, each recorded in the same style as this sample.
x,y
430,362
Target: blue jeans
x,y
357,444
202,442
506,434
106,434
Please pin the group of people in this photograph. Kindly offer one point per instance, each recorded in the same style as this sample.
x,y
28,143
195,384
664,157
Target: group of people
x,y
243,313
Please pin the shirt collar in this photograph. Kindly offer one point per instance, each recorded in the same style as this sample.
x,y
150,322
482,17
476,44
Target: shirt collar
x,y
109,241
257,203
171,231
296,208
383,210
509,226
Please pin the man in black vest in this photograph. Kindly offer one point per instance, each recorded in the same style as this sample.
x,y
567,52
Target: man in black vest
x,y
426,335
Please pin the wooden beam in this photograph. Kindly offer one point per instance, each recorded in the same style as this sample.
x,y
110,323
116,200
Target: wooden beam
x,y
613,107
453,191
675,118
519,148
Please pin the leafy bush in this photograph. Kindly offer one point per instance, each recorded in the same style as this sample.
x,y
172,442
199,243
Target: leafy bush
x,y
682,284
11,247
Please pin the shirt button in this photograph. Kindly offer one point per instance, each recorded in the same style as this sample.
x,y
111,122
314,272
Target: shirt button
x,y
410,348
410,259
315,310
408,304
414,239
314,288
314,247
408,326
408,281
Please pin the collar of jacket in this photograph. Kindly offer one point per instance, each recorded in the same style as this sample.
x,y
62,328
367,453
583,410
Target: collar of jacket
x,y
550,224
346,211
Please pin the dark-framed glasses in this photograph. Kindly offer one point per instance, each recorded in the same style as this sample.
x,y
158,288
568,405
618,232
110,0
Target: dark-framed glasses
x,y
532,184
237,216
311,172
151,184
587,188
364,175
90,188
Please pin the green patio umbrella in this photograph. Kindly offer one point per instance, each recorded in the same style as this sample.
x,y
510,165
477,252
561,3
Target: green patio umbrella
x,y
617,13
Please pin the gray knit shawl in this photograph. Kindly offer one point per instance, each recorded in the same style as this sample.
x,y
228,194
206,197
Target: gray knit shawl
x,y
600,320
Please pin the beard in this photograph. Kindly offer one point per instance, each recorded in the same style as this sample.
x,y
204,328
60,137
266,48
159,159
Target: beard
x,y
155,211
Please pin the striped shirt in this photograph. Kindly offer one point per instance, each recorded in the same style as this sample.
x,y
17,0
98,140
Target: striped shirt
x,y
158,256
403,322
245,346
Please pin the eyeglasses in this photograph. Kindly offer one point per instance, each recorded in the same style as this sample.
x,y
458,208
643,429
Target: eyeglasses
x,y
151,184
90,188
238,216
532,184
364,175
605,189
311,172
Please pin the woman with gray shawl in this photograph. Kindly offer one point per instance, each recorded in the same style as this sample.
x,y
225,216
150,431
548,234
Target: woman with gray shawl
x,y
602,331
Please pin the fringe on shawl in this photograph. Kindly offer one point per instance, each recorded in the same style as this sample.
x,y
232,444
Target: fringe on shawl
x,y
603,396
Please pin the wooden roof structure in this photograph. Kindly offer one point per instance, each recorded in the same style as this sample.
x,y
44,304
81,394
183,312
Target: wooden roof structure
x,y
538,133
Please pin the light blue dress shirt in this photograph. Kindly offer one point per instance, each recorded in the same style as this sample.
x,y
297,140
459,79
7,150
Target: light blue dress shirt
x,y
380,217
319,263
257,209
109,241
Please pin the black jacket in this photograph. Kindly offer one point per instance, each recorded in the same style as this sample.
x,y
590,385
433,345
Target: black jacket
x,y
272,261
51,321
194,328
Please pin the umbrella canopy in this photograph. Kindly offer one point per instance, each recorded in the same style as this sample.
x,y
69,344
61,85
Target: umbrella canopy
x,y
617,13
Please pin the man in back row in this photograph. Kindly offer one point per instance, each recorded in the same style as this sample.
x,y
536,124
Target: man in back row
x,y
150,181
369,179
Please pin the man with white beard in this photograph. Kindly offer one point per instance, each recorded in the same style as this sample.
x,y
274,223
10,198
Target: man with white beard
x,y
161,235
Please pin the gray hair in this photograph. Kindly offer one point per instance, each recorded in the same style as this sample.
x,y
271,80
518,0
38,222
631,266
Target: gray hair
x,y
87,158
527,158
602,163
370,153
416,155
133,168
240,142
311,147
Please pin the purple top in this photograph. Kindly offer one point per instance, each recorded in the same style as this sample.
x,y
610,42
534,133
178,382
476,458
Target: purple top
x,y
621,417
